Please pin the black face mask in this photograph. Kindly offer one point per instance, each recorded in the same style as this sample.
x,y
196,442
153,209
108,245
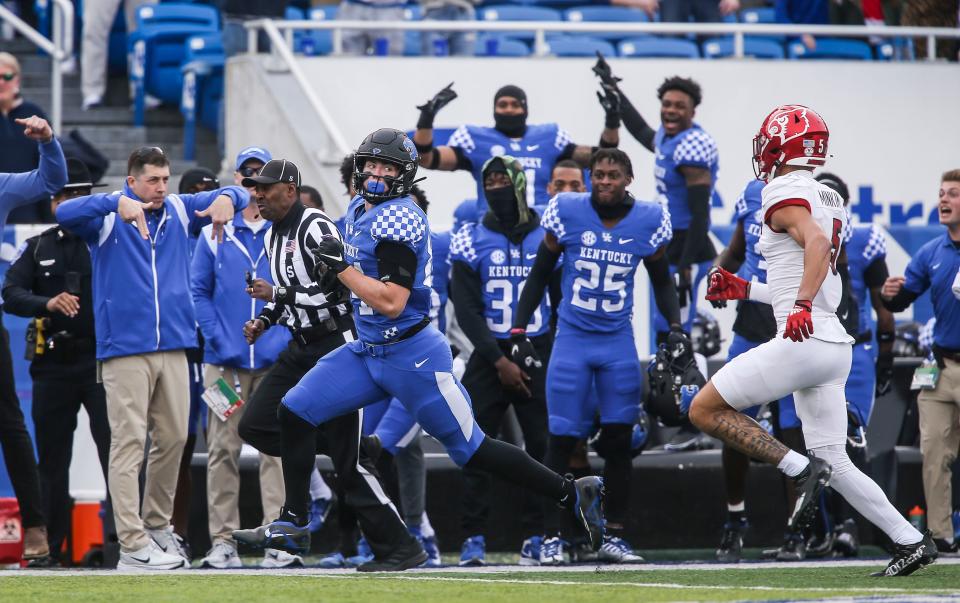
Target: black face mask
x,y
503,203
611,212
511,125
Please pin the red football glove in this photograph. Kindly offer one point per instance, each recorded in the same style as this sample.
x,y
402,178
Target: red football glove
x,y
723,285
799,321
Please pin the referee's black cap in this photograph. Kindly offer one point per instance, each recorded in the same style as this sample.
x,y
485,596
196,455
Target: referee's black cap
x,y
274,171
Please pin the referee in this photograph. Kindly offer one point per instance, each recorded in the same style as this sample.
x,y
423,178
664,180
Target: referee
x,y
319,323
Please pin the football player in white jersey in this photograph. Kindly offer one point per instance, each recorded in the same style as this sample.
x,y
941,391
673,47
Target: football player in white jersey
x,y
800,239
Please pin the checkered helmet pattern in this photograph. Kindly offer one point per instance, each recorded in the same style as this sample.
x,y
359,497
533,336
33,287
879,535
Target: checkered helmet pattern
x,y
398,223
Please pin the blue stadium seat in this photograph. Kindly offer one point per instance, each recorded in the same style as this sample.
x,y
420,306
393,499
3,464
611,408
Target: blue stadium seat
x,y
832,48
659,47
580,46
607,14
318,41
510,12
505,47
158,48
202,95
758,15
411,39
761,48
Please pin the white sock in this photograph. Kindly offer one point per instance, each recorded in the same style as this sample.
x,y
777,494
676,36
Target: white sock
x,y
793,463
865,495
319,488
740,507
426,530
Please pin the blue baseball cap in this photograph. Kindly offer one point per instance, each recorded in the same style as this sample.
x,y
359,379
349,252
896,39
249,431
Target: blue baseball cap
x,y
248,153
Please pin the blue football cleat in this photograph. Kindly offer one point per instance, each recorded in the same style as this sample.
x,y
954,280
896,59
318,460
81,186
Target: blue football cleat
x,y
364,554
333,561
473,552
530,551
551,552
429,546
319,509
283,535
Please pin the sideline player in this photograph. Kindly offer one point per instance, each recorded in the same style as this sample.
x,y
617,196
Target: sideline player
x,y
537,147
801,241
386,264
755,324
603,236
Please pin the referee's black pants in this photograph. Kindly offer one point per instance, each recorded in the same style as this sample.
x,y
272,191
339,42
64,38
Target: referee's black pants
x,y
490,402
339,438
58,394
15,441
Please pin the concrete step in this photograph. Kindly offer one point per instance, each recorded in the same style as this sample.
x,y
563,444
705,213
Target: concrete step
x,y
130,136
162,116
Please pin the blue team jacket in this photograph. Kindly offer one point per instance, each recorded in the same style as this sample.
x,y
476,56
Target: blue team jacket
x,y
141,288
222,304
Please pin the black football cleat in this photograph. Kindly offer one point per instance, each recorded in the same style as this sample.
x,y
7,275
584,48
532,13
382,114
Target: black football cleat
x,y
408,555
589,508
731,543
908,558
283,534
810,483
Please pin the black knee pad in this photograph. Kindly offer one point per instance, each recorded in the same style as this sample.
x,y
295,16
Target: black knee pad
x,y
613,440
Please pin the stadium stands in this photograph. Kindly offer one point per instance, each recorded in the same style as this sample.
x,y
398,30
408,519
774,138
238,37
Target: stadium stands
x,y
202,98
650,47
832,48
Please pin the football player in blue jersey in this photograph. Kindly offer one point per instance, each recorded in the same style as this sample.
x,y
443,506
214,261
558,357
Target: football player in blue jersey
x,y
871,370
685,171
386,263
537,147
603,236
490,263
755,324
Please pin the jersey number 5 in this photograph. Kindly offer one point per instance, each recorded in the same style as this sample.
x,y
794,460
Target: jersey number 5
x,y
836,243
611,284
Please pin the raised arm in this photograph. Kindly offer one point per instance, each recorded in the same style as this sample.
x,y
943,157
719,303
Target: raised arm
x,y
443,158
50,175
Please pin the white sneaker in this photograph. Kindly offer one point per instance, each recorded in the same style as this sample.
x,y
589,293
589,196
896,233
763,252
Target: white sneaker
x,y
150,557
91,101
275,558
169,542
551,552
223,555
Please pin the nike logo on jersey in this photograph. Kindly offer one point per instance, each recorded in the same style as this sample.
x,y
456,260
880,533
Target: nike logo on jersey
x,y
419,364
937,265
531,256
532,147
625,241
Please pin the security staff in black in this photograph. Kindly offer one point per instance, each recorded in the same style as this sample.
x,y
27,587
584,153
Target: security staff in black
x,y
319,322
50,283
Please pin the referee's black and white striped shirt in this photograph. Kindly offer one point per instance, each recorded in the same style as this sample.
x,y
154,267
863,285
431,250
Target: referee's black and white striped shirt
x,y
288,244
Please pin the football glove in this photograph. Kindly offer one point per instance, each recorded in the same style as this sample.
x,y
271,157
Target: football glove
x,y
799,321
884,372
603,71
679,345
610,101
522,352
429,109
723,285
328,253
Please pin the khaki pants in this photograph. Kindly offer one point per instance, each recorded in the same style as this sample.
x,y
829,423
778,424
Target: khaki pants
x,y
223,456
146,394
939,444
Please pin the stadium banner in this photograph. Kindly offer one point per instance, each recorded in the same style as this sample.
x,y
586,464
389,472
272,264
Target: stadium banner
x,y
86,481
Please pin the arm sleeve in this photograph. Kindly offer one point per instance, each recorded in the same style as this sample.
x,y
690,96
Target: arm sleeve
x,y
84,216
202,281
466,292
759,292
270,314
635,124
396,263
901,300
698,199
18,296
537,281
664,290
876,273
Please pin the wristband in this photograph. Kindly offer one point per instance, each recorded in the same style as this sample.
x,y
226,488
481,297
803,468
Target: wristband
x,y
608,145
423,148
885,337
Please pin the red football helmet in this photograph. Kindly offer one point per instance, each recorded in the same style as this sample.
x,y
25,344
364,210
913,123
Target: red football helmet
x,y
790,135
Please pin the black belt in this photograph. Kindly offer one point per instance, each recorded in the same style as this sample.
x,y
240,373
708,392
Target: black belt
x,y
413,330
323,330
940,352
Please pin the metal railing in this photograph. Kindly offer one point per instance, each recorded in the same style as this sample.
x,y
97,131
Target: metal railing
x,y
60,49
540,30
